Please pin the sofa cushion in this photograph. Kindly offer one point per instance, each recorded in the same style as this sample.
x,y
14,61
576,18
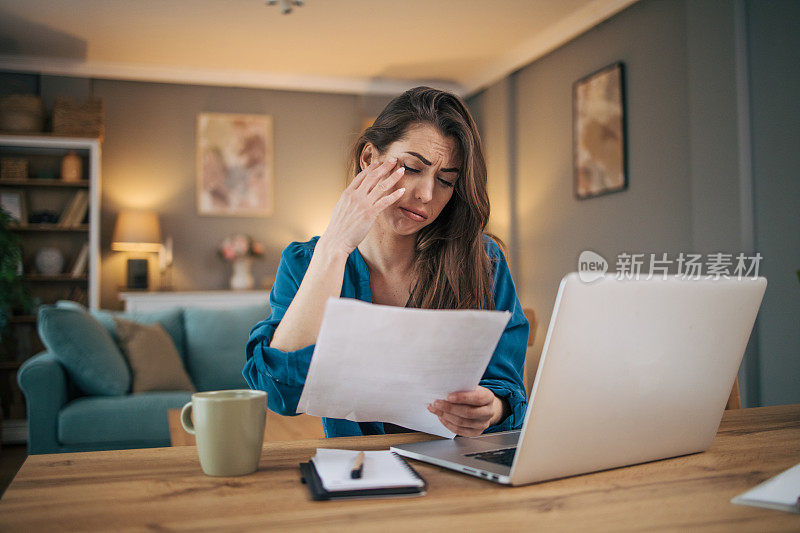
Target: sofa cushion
x,y
86,350
70,304
215,345
170,319
140,417
154,361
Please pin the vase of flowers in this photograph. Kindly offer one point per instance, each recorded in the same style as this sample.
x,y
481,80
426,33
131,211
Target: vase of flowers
x,y
240,250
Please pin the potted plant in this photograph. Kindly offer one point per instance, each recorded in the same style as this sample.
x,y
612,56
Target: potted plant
x,y
14,296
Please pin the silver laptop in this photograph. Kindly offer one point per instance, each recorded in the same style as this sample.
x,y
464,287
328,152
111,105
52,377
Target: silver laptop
x,y
631,371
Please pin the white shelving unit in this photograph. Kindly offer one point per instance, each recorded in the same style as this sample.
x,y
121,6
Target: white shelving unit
x,y
26,145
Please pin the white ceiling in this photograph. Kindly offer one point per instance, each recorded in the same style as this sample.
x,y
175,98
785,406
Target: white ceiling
x,y
358,46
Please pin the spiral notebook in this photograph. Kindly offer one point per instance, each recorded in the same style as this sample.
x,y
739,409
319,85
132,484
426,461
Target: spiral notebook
x,y
384,474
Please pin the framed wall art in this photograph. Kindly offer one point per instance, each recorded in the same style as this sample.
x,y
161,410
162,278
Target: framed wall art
x,y
234,165
599,133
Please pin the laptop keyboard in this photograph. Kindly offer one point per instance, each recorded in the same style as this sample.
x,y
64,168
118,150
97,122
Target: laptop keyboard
x,y
502,457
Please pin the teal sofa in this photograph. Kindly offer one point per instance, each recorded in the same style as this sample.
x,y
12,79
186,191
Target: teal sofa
x,y
77,393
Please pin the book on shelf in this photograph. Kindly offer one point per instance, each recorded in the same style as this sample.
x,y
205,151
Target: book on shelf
x,y
80,210
82,260
65,212
83,208
71,207
74,213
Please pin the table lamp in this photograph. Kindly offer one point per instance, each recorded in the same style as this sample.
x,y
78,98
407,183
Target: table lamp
x,y
137,231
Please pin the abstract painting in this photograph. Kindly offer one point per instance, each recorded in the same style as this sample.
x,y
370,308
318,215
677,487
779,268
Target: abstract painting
x,y
599,137
234,165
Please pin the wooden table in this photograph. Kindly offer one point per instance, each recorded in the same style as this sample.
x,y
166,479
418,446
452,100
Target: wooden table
x,y
164,489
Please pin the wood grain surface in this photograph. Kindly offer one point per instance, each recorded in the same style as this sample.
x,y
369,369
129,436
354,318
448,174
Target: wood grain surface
x,y
164,489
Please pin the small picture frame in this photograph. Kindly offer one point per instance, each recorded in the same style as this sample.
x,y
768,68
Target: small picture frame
x,y
13,202
599,133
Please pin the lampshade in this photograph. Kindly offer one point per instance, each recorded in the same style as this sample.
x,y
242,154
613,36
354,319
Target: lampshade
x,y
136,231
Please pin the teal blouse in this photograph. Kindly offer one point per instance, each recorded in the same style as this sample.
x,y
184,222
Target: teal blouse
x,y
283,374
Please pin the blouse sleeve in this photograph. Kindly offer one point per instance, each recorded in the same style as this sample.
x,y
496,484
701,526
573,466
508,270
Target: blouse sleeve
x,y
281,374
503,376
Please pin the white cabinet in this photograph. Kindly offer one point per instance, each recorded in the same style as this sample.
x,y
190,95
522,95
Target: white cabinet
x,y
156,301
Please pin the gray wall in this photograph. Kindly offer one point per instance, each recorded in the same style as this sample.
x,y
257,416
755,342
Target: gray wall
x,y
149,163
773,30
492,111
654,214
149,158
689,188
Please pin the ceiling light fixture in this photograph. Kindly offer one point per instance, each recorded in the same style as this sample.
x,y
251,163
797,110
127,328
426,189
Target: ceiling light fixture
x,y
286,5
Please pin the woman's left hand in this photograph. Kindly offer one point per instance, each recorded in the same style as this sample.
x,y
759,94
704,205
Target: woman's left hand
x,y
469,413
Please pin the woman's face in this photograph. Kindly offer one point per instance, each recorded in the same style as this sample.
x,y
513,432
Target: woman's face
x,y
431,170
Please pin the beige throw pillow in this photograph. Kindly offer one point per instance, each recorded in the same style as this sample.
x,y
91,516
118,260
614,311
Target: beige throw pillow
x,y
154,360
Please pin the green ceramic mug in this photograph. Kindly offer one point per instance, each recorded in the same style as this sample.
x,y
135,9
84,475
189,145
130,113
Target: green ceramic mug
x,y
229,428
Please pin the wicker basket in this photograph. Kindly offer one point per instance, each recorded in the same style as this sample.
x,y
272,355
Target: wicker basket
x,y
21,113
81,120
13,168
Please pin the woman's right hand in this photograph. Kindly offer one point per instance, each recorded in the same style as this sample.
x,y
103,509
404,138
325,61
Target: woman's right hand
x,y
361,203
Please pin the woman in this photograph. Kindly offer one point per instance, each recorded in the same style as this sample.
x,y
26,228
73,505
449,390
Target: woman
x,y
407,231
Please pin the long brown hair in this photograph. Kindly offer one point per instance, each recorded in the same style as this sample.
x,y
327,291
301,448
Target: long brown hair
x,y
452,268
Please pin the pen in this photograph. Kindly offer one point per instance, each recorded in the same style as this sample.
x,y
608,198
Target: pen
x,y
358,466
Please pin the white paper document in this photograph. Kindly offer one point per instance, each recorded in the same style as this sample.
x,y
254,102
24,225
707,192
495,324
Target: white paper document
x,y
376,363
781,492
